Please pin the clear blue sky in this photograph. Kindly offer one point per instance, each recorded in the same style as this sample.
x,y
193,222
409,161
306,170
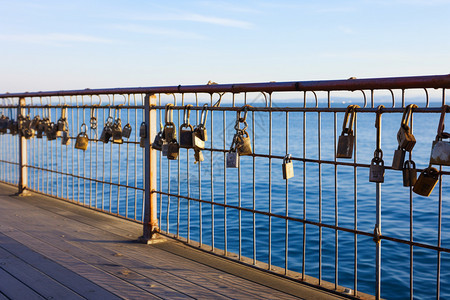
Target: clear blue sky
x,y
49,45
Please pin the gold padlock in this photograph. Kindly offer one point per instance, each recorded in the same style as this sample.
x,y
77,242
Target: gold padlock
x,y
426,181
347,139
117,132
287,167
243,144
440,150
82,140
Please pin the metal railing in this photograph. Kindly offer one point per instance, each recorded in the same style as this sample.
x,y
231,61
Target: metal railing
x,y
314,227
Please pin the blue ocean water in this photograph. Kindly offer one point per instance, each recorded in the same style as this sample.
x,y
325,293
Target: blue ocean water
x,y
223,227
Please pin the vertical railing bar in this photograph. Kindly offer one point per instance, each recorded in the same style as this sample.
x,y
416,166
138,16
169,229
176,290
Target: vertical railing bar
x,y
49,111
144,160
127,165
254,188
199,192
355,220
78,154
225,248
168,190
135,160
188,193
411,237
304,189
270,186
286,246
56,158
212,175
378,225
239,211
336,209
104,160
92,136
319,132
84,157
118,172
179,171
160,170
111,166
72,151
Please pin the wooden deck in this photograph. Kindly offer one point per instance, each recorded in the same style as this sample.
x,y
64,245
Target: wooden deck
x,y
57,250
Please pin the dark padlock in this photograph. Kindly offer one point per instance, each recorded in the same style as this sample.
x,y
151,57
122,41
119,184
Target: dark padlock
x,y
158,141
13,127
172,150
287,167
186,131
106,134
143,130
376,170
126,131
35,122
440,150
170,132
232,159
409,173
426,182
4,124
51,131
399,159
405,138
347,139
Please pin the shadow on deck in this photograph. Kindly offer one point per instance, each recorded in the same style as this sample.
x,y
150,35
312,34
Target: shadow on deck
x,y
54,249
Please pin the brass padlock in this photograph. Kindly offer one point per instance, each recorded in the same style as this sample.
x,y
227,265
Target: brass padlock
x,y
347,139
440,150
287,167
243,144
65,138
82,140
409,173
399,159
405,138
116,131
186,132
198,156
172,150
376,170
232,159
158,142
126,131
143,130
426,182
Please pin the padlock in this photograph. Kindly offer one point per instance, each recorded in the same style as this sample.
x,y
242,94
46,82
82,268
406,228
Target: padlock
x,y
197,141
126,131
170,132
440,150
65,138
106,134
376,170
198,156
143,130
232,159
172,150
13,127
165,149
399,158
35,122
186,132
409,173
62,124
243,144
426,182
287,167
158,141
28,133
3,124
347,139
116,132
82,141
51,131
201,127
405,138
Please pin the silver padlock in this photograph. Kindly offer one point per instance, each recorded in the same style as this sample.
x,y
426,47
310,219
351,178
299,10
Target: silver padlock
x,y
287,167
376,170
440,150
232,159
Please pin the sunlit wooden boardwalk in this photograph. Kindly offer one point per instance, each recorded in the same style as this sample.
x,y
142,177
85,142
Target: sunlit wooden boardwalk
x,y
56,250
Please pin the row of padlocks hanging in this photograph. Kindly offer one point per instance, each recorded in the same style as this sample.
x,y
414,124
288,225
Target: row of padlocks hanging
x,y
195,137
38,127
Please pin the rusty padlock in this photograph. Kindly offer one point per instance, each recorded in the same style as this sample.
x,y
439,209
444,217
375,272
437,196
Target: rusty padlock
x,y
409,173
405,138
426,182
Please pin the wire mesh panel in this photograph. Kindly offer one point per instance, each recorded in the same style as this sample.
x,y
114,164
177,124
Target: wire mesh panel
x,y
300,179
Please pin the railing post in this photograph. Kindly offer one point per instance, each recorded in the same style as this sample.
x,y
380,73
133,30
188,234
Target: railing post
x,y
23,158
150,209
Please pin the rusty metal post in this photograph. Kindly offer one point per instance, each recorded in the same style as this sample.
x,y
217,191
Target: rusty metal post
x,y
150,209
23,158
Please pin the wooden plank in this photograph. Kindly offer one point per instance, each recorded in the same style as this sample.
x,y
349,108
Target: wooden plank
x,y
66,277
13,288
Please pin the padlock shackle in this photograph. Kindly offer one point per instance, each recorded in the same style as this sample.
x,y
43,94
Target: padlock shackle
x,y
168,118
407,116
441,126
409,164
287,158
85,128
349,117
204,115
187,114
